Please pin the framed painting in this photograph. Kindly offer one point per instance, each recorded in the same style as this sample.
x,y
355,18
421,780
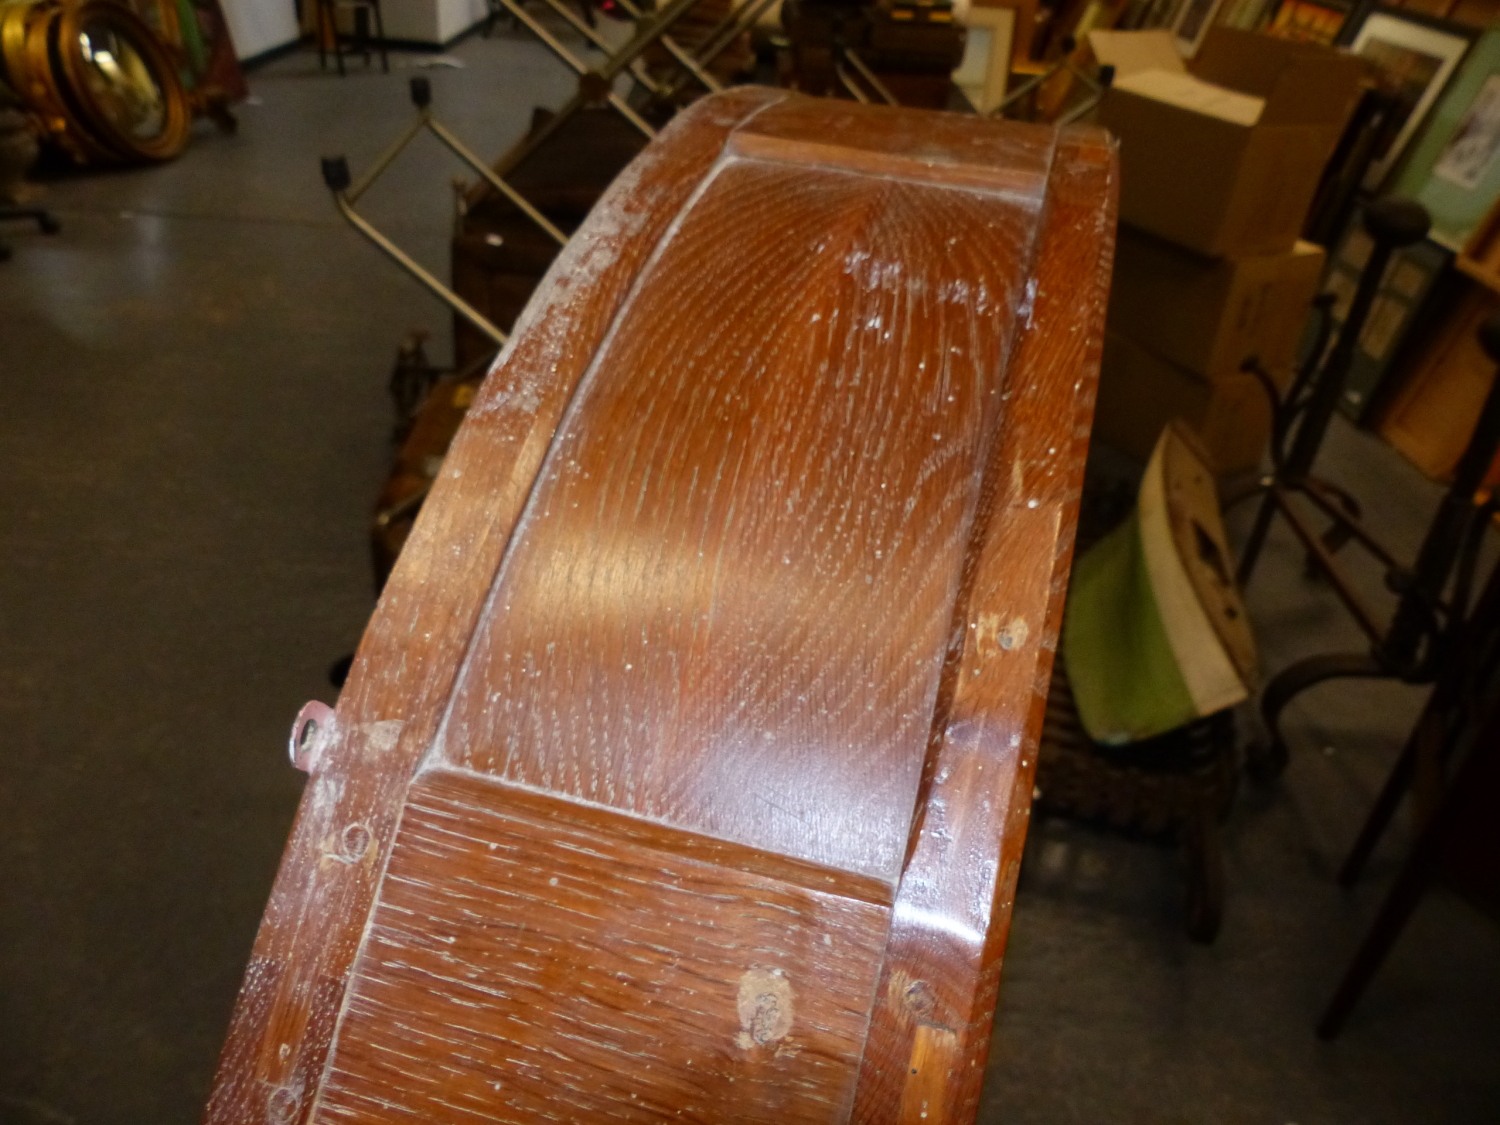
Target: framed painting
x,y
1191,24
1413,58
984,71
1454,166
1309,21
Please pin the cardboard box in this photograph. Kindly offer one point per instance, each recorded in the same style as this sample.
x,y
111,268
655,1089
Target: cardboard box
x,y
1139,392
1209,314
1223,155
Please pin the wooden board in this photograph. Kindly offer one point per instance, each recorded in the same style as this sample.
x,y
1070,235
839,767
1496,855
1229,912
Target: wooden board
x,y
1432,417
683,771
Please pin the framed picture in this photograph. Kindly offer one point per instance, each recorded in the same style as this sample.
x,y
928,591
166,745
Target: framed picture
x,y
984,71
1309,21
1471,150
1246,15
1191,24
1414,57
1454,165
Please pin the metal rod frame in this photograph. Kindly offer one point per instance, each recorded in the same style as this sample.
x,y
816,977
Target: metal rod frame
x,y
869,76
725,32
676,50
402,259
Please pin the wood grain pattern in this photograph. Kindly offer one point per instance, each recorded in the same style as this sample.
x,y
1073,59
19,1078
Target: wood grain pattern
x,y
405,667
532,933
671,633
953,907
717,657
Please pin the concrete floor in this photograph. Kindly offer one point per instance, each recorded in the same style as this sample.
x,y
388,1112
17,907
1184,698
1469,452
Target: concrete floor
x,y
193,424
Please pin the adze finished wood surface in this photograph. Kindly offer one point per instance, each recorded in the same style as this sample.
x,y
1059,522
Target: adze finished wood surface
x,y
683,771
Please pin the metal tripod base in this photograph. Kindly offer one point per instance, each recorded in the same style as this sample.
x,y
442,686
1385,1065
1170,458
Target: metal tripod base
x,y
1266,761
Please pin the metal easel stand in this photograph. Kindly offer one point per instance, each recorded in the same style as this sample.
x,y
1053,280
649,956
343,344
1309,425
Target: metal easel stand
x,y
1411,648
1096,84
347,193
596,83
881,93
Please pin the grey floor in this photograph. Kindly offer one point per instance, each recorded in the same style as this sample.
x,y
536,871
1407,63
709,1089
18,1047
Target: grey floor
x,y
193,424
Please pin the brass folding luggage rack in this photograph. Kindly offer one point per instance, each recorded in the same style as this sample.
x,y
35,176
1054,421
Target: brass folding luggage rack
x,y
596,86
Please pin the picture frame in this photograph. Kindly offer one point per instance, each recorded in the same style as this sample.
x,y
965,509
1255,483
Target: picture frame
x,y
1454,164
1246,15
984,71
1191,24
1414,56
1309,21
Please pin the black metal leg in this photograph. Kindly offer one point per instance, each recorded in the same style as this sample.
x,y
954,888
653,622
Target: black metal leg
x,y
1266,762
1394,912
1257,540
1337,536
1385,807
385,58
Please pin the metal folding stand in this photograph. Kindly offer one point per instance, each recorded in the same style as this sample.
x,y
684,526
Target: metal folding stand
x,y
1412,646
861,68
1456,745
1096,84
346,193
596,84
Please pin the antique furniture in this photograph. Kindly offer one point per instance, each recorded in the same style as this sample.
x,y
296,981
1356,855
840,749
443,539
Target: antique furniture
x,y
96,79
883,51
684,768
1433,591
1175,786
1451,765
366,15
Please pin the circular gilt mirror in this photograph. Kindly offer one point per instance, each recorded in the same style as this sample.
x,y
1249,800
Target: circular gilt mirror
x,y
124,82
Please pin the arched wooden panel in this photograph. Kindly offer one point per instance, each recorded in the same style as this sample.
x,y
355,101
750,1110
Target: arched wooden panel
x,y
683,771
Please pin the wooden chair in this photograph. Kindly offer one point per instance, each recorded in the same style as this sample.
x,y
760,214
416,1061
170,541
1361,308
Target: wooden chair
x,y
328,34
683,771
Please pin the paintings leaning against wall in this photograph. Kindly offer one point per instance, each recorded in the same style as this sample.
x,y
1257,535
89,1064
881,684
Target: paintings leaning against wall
x,y
1414,58
1453,166
988,46
1307,21
1472,150
1192,24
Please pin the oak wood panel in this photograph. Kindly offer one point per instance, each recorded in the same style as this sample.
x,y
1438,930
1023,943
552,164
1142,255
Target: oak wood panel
x,y
784,442
744,572
524,967
952,912
405,666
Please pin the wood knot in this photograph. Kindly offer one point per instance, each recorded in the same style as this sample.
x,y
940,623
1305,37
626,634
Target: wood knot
x,y
921,1000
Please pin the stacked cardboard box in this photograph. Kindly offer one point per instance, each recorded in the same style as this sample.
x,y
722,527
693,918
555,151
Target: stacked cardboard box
x,y
1220,158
